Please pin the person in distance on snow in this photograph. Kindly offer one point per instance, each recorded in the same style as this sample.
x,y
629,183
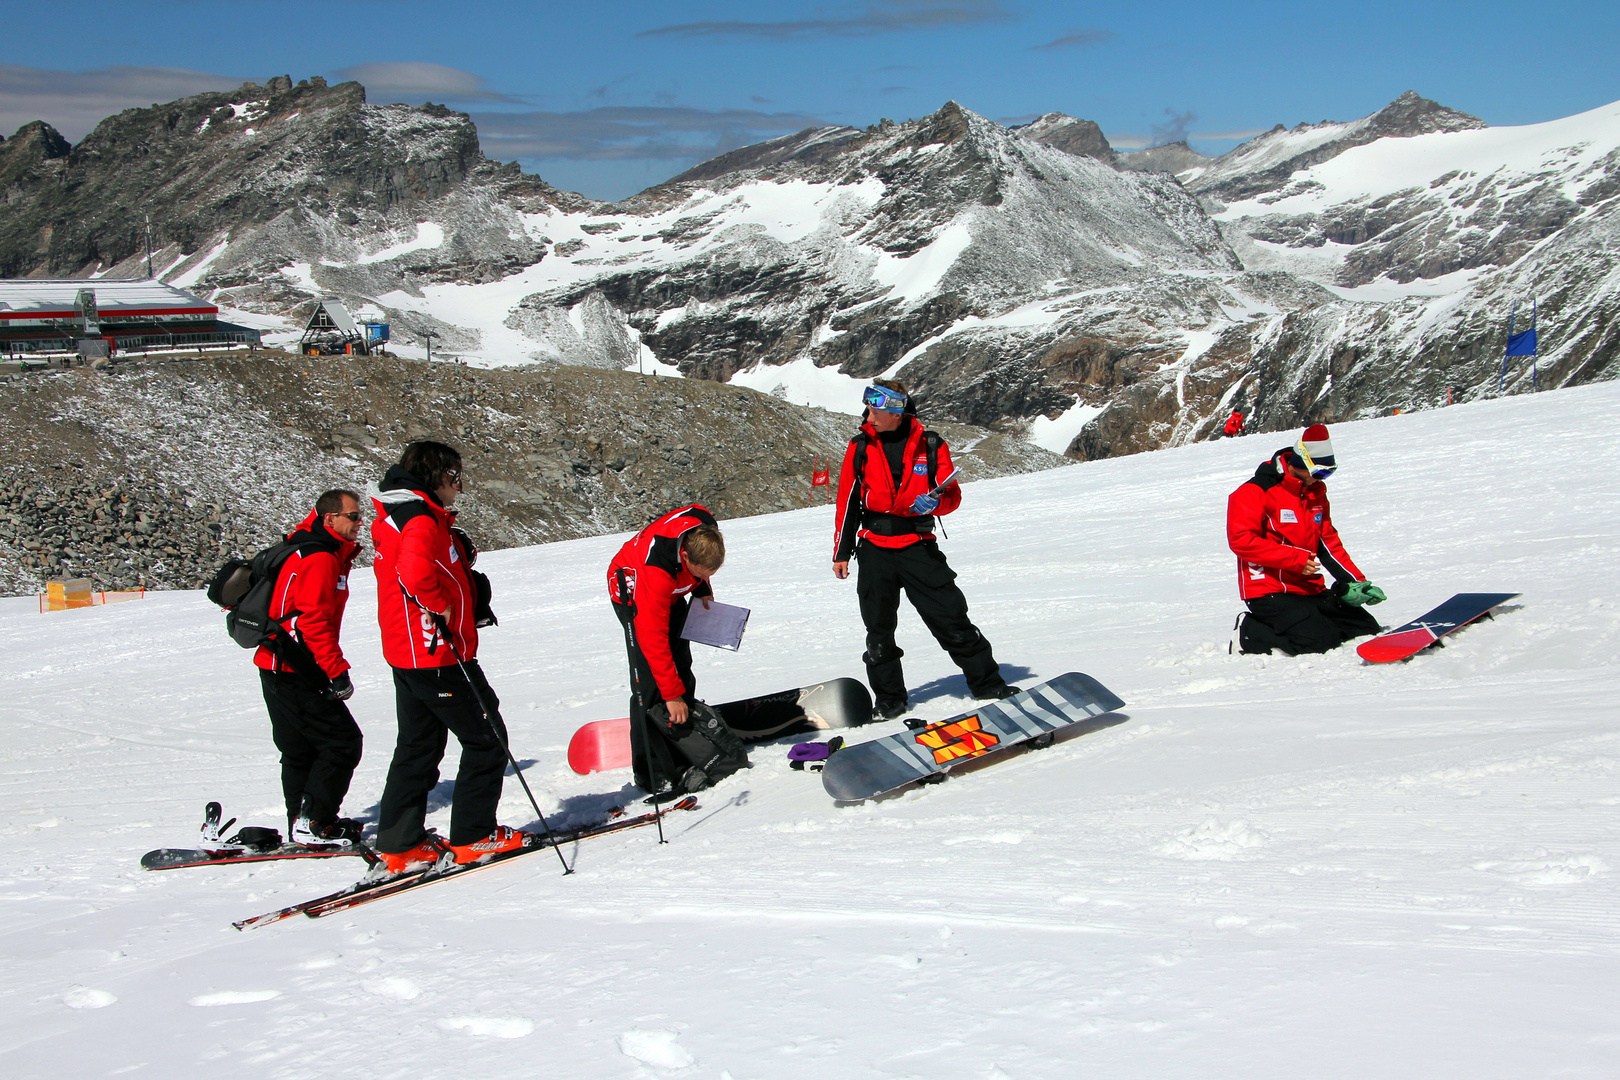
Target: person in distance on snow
x,y
305,677
1279,526
676,741
885,520
430,604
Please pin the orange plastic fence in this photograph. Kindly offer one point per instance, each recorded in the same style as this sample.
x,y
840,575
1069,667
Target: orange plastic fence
x,y
57,597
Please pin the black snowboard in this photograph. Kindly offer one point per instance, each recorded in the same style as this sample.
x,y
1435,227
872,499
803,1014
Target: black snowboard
x,y
1033,716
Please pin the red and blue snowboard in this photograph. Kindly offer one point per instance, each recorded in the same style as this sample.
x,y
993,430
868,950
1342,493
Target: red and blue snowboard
x,y
1417,635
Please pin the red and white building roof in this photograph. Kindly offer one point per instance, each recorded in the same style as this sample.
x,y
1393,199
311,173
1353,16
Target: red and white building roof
x,y
30,302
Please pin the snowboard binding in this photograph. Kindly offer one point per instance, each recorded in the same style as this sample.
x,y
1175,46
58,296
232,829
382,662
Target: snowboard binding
x,y
211,828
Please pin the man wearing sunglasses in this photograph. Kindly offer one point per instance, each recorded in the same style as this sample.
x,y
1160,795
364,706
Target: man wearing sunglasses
x,y
304,676
1279,526
890,490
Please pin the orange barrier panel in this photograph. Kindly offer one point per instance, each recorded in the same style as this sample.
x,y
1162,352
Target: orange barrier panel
x,y
60,595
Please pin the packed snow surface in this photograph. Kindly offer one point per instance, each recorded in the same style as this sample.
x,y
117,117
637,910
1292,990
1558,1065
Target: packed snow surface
x,y
1267,868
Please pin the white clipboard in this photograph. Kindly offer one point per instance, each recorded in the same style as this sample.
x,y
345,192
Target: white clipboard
x,y
720,625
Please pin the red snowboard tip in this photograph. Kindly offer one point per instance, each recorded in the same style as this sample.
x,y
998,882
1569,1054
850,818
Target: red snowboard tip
x,y
600,745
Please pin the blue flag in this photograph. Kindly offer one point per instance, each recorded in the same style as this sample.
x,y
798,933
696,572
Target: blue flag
x,y
1522,344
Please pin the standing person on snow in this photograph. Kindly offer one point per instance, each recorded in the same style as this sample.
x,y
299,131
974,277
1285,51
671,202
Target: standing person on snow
x,y
305,677
426,591
676,741
885,519
1280,528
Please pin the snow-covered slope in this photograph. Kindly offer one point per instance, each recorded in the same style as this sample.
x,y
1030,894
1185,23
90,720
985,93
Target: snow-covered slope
x,y
1270,868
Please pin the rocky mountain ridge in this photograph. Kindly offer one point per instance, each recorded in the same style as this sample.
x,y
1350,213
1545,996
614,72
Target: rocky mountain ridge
x,y
151,474
1031,278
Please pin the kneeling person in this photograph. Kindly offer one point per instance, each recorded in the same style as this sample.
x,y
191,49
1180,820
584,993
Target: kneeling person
x,y
676,741
1279,526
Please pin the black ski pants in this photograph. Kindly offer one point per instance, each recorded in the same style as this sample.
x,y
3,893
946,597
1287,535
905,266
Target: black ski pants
x,y
930,584
656,759
432,704
1302,624
319,743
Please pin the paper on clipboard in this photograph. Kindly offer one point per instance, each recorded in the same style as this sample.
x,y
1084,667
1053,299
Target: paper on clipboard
x,y
720,625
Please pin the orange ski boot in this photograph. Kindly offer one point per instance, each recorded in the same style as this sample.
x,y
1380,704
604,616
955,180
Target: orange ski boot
x,y
502,839
419,857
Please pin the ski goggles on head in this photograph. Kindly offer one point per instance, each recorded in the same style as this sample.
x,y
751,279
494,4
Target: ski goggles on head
x,y
883,399
1319,470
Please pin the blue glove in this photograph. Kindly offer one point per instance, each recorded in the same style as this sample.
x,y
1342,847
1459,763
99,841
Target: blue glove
x,y
924,504
1363,592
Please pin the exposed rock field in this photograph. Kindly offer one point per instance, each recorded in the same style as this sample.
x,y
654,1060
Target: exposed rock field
x,y
151,474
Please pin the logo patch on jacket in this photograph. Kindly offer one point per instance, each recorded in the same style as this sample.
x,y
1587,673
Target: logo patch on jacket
x,y
920,468
1288,517
455,554
1319,517
343,583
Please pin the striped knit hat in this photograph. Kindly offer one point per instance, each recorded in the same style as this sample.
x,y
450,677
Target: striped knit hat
x,y
1317,451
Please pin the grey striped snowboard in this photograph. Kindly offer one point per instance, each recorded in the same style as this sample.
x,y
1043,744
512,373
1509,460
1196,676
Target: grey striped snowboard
x,y
872,768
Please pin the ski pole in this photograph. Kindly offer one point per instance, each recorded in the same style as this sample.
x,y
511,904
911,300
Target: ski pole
x,y
443,628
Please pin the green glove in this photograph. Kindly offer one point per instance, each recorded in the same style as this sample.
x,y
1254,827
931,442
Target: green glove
x,y
1364,592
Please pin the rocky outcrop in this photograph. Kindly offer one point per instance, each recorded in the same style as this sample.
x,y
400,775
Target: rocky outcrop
x,y
1082,138
240,186
152,474
1176,157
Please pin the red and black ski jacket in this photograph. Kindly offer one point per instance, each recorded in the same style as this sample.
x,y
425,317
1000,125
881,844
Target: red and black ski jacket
x,y
312,588
1275,524
421,567
653,577
873,506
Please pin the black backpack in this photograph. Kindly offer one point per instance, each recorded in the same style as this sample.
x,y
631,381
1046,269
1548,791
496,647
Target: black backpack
x,y
244,588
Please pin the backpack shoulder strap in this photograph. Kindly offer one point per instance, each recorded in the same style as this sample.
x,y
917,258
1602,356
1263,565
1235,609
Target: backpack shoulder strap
x,y
931,444
862,442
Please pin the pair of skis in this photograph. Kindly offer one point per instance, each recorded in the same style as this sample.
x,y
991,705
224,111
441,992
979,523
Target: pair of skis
x,y
380,885
377,884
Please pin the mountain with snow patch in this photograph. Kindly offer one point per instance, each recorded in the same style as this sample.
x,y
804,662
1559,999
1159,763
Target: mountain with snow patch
x,y
1029,277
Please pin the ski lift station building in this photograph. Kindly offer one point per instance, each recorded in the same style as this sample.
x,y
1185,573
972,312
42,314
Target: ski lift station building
x,y
55,315
332,329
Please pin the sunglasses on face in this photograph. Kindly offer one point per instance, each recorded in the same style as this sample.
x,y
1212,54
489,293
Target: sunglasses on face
x,y
355,517
883,399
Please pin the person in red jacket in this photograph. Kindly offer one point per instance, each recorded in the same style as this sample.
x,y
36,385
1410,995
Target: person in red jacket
x,y
895,479
676,741
1280,527
305,677
1234,423
428,604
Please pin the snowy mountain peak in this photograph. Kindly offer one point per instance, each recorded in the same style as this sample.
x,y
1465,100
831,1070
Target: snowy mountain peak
x,y
1266,163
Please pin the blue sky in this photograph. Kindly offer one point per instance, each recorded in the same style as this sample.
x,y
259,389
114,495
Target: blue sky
x,y
610,97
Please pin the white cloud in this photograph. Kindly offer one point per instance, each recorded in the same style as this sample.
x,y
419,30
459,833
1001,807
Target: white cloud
x,y
414,81
73,102
885,17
